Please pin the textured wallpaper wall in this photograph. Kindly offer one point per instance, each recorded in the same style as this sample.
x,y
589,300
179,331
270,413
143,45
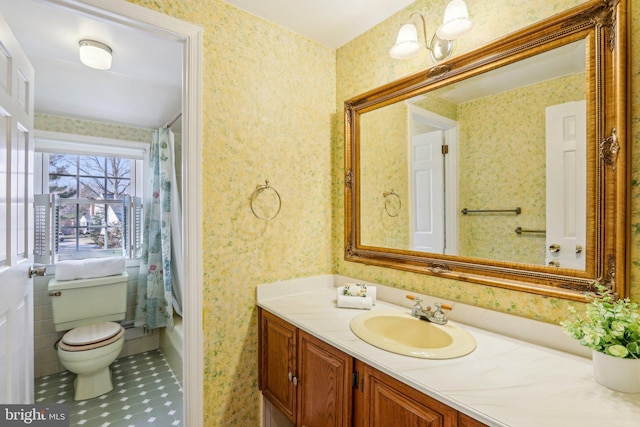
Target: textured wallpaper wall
x,y
383,163
60,124
268,109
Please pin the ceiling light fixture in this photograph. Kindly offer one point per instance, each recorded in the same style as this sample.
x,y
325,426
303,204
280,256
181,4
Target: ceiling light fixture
x,y
456,22
95,54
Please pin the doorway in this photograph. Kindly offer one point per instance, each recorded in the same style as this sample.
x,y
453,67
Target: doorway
x,y
120,13
433,182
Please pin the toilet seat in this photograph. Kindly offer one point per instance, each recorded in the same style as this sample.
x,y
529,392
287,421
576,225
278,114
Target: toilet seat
x,y
91,337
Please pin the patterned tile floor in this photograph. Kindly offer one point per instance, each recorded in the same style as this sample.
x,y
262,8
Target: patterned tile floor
x,y
145,393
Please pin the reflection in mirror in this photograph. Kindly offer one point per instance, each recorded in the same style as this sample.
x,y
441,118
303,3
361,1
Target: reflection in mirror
x,y
493,142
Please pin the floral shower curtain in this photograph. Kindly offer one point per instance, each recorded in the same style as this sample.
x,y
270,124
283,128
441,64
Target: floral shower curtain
x,y
157,278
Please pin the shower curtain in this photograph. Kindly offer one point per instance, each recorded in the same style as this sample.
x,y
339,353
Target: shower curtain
x,y
159,287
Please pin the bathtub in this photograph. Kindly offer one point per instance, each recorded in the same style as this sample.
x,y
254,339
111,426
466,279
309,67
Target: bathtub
x,y
171,345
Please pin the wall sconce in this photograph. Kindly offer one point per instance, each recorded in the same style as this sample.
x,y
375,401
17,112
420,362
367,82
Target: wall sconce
x,y
95,54
455,23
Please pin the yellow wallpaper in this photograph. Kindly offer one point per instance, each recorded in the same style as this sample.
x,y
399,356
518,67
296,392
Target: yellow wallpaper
x,y
383,160
269,111
494,137
434,103
69,125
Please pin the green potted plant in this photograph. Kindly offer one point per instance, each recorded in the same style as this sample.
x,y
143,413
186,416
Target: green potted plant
x,y
610,327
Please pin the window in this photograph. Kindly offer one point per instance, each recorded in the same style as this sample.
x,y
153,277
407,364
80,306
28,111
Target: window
x,y
89,203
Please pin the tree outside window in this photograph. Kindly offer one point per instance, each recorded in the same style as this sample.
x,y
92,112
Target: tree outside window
x,y
87,187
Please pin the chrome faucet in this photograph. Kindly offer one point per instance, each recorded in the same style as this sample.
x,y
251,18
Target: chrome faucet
x,y
435,316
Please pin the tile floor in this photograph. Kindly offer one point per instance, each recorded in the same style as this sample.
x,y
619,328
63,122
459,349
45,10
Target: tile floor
x,y
145,393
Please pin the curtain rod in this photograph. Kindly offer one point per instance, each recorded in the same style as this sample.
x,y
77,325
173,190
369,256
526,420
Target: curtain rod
x,y
171,122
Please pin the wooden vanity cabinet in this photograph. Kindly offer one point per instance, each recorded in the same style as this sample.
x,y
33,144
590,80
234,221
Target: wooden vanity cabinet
x,y
383,401
277,342
316,385
467,421
306,379
324,385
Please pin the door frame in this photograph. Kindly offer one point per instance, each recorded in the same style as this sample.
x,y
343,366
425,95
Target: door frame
x,y
450,129
122,12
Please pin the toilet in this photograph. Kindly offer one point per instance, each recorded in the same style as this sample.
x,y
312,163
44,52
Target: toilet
x,y
87,309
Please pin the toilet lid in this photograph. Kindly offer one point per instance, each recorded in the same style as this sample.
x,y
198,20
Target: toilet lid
x,y
89,334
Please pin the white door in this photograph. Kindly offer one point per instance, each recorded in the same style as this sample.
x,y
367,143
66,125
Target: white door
x,y
16,221
427,188
566,185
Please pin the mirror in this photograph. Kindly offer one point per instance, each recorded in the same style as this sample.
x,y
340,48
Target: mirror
x,y
446,153
504,166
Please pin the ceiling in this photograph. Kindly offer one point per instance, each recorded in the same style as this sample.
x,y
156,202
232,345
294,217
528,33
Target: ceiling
x,y
143,88
332,23
553,64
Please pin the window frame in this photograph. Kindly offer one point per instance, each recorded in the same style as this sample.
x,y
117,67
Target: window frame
x,y
47,142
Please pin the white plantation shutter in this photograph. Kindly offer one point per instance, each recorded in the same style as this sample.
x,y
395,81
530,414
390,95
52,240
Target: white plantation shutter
x,y
132,226
45,229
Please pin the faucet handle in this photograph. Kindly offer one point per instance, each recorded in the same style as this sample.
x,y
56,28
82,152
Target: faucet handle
x,y
417,300
438,315
417,307
440,306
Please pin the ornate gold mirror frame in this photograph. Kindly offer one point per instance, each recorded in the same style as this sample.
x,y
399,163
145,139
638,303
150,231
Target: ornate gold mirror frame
x,y
602,25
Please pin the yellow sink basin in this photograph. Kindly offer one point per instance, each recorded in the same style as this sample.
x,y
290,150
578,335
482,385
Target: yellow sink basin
x,y
399,332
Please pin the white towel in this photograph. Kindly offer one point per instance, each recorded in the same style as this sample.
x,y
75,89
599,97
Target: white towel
x,y
346,301
89,268
363,303
69,270
355,289
371,293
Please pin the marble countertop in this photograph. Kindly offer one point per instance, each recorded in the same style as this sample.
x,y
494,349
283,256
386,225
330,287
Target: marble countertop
x,y
504,382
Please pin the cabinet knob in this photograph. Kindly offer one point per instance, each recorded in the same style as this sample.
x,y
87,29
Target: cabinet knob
x,y
554,248
554,263
290,376
295,381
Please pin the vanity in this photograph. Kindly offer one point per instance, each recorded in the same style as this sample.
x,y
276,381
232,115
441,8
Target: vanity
x,y
313,365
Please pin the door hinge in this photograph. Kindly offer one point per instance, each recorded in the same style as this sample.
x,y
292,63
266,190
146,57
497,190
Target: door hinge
x,y
445,149
354,379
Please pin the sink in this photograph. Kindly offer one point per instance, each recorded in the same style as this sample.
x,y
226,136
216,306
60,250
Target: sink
x,y
399,332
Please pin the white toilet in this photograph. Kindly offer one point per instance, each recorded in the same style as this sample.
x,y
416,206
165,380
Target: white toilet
x,y
87,309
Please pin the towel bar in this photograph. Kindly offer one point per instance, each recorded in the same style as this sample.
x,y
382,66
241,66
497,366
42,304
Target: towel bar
x,y
520,230
517,211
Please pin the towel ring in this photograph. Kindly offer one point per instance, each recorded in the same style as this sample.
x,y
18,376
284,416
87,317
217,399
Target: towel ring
x,y
259,190
386,195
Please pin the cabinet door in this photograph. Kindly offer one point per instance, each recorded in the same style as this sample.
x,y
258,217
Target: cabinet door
x,y
389,403
278,363
467,421
324,386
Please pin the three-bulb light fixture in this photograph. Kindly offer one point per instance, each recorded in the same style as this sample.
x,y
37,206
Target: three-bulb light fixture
x,y
455,23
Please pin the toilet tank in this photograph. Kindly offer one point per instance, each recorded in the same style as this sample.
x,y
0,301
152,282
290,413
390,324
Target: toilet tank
x,y
88,301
